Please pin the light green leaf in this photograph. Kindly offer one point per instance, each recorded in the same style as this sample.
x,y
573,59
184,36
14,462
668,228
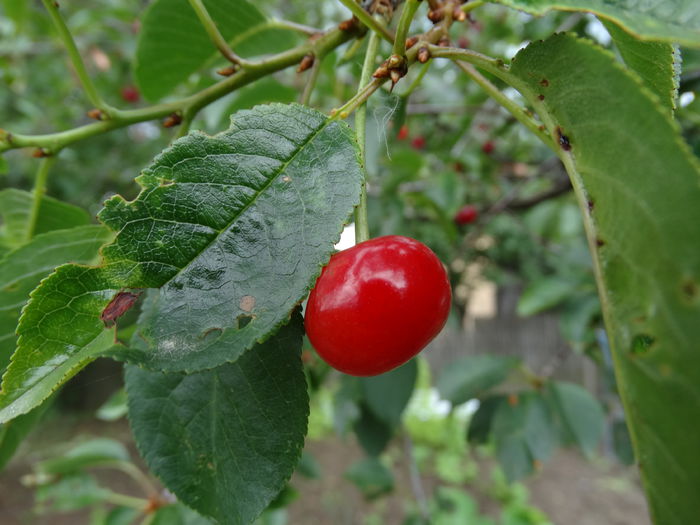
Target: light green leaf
x,y
114,408
69,493
581,414
545,294
667,20
173,43
22,270
387,395
96,452
15,211
234,230
471,376
639,189
226,440
657,63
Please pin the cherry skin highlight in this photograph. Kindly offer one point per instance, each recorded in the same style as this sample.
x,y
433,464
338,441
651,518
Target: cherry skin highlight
x,y
377,304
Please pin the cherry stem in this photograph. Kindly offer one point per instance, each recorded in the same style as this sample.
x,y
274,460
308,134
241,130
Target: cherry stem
x,y
409,11
367,19
42,175
361,222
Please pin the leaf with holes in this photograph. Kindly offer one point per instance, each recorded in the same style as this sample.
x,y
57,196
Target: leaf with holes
x,y
638,187
232,229
226,440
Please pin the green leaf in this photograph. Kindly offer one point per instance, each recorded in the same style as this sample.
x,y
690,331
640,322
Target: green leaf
x,y
91,453
667,20
371,477
545,294
387,395
470,377
524,431
581,414
22,270
639,193
373,434
657,63
173,43
114,408
116,516
15,211
234,230
226,440
69,493
12,433
480,424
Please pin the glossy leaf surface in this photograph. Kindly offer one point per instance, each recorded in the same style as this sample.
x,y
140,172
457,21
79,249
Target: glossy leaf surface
x,y
638,187
234,230
225,441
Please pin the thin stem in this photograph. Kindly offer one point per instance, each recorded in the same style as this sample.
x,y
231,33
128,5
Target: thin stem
x,y
214,33
416,81
416,481
76,59
42,175
361,221
360,98
126,501
364,17
311,81
138,476
254,70
293,26
409,11
470,6
184,126
515,109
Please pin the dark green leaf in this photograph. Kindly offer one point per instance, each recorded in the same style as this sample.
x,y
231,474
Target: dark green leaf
x,y
15,211
92,453
638,188
657,63
479,427
510,438
540,433
173,43
371,477
372,433
387,395
346,409
225,441
581,413
668,20
471,376
13,432
233,229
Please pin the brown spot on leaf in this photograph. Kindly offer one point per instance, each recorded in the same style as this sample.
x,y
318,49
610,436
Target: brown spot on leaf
x,y
599,242
563,140
544,82
118,306
540,97
513,399
247,303
690,290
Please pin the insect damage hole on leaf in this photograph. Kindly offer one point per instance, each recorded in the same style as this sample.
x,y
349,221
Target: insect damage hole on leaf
x,y
118,306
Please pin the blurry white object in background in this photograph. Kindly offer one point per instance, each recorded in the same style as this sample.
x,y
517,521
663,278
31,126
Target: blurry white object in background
x,y
347,238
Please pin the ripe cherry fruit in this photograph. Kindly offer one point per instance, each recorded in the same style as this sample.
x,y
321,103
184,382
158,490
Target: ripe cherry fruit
x,y
418,142
403,133
130,94
466,215
377,304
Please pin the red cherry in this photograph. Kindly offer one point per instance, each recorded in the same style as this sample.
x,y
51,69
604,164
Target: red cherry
x,y
488,147
130,94
466,215
403,133
418,142
377,304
